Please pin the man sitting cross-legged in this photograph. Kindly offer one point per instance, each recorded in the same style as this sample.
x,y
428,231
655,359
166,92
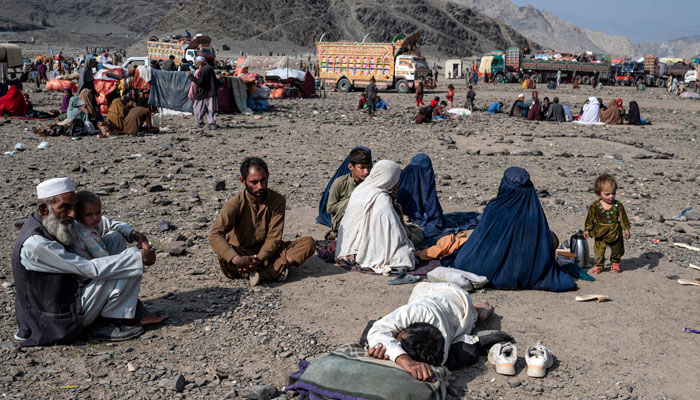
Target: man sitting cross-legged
x,y
434,328
247,234
59,293
360,164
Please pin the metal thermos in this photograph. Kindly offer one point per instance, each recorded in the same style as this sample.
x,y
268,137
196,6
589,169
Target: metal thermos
x,y
579,246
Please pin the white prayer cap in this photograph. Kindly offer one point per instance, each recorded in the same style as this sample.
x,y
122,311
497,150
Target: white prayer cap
x,y
199,59
54,187
521,95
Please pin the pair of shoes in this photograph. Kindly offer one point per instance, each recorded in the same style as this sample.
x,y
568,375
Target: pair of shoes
x,y
115,332
538,359
254,278
504,356
597,269
615,267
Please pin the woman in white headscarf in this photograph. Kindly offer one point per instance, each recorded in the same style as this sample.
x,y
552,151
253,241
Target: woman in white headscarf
x,y
371,230
591,113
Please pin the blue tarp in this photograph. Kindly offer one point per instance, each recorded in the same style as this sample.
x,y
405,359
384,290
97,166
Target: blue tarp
x,y
169,90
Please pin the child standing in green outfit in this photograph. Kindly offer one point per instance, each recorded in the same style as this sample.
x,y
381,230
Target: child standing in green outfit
x,y
606,222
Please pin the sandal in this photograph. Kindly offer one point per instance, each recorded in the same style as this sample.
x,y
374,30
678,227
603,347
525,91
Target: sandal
x,y
615,267
597,269
283,275
404,278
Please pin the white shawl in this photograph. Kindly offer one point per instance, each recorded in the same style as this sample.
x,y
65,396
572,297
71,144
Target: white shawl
x,y
371,229
591,113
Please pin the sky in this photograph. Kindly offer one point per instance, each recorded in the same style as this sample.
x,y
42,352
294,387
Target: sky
x,y
638,20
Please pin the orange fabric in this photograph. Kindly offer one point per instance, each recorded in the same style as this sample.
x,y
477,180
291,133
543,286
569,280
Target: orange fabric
x,y
445,246
59,85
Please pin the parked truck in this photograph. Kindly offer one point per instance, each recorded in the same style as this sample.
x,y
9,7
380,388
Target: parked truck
x,y
346,65
513,65
650,72
200,45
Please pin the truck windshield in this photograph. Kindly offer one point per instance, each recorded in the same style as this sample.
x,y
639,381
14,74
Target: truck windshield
x,y
420,63
626,67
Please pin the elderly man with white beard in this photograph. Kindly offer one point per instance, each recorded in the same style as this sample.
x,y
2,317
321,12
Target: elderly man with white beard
x,y
58,293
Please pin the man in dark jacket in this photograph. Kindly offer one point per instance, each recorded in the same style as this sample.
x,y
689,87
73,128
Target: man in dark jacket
x,y
169,64
555,112
206,93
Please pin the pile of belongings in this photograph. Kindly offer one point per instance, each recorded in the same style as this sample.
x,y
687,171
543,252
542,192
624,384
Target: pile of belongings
x,y
290,83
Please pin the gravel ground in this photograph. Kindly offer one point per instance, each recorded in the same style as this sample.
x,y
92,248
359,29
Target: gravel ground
x,y
222,338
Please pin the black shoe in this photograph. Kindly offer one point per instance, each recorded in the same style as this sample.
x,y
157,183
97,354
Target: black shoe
x,y
115,332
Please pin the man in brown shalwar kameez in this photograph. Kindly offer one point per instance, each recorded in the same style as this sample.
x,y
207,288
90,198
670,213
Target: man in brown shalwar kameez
x,y
247,234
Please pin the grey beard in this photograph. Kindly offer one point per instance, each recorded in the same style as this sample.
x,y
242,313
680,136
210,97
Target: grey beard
x,y
66,234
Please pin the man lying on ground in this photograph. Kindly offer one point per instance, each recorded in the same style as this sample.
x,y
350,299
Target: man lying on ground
x,y
434,328
247,234
359,163
60,293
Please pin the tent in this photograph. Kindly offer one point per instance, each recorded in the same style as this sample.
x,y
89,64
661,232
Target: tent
x,y
285,73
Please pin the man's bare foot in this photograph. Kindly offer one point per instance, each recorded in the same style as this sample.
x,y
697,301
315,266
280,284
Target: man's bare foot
x,y
151,319
483,310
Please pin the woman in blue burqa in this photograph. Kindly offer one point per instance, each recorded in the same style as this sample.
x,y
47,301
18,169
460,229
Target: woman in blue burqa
x,y
512,245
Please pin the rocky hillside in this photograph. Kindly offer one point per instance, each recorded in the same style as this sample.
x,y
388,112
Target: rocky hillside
x,y
549,30
447,28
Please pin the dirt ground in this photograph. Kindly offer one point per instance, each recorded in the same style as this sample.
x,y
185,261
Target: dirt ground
x,y
630,347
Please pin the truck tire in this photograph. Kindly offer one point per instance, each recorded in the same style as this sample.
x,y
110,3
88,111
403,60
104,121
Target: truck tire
x,y
578,79
344,85
638,82
402,86
585,80
500,78
660,82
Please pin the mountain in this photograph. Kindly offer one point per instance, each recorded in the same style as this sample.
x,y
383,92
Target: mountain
x,y
80,22
549,30
446,28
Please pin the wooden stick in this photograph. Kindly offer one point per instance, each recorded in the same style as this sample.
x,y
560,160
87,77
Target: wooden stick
x,y
685,246
600,297
691,265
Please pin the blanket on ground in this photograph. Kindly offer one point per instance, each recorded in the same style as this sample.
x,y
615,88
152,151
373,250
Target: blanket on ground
x,y
348,373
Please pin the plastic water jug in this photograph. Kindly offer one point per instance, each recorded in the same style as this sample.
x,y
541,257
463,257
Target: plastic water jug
x,y
579,246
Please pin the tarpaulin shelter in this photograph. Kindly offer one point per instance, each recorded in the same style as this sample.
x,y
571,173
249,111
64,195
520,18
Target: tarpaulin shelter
x,y
286,73
169,91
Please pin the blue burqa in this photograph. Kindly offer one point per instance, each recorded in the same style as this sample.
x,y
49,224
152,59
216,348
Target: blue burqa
x,y
512,245
418,198
323,217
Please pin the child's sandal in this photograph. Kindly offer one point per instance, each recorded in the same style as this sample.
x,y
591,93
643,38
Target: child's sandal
x,y
597,269
615,267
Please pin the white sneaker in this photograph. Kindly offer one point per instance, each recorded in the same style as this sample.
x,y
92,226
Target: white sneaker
x,y
538,359
503,356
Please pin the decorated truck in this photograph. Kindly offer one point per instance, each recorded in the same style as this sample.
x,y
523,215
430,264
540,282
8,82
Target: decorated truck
x,y
200,45
514,65
650,71
347,65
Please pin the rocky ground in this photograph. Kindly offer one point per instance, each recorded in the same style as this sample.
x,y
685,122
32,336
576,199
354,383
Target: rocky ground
x,y
222,337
